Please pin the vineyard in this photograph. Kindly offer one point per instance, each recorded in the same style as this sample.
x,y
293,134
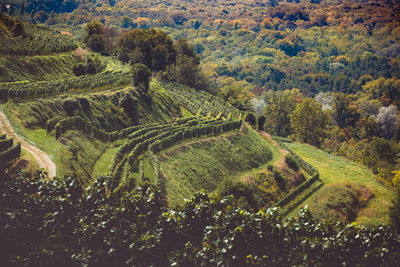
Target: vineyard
x,y
200,101
36,40
144,141
149,140
139,141
115,74
200,133
28,90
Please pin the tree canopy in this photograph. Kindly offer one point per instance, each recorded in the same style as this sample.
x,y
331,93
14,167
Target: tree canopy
x,y
308,122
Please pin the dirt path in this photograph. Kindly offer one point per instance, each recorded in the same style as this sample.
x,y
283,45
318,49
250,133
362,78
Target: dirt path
x,y
41,157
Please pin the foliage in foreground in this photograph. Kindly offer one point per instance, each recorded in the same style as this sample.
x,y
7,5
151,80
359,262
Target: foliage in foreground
x,y
59,222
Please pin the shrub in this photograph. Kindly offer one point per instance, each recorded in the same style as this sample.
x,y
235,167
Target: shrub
x,y
251,119
70,106
291,162
79,69
85,227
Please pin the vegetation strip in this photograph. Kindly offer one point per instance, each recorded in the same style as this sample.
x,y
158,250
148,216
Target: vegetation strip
x,y
307,167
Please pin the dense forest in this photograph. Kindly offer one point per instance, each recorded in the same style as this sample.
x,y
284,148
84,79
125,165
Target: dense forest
x,y
196,132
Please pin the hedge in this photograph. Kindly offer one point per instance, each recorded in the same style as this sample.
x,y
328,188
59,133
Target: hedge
x,y
286,199
51,123
7,156
305,165
77,122
6,144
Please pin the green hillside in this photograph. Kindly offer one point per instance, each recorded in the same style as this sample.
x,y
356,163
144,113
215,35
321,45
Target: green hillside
x,y
337,172
104,110
203,164
37,68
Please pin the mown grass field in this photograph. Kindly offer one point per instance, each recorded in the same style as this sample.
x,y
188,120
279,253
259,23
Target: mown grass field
x,y
203,164
334,169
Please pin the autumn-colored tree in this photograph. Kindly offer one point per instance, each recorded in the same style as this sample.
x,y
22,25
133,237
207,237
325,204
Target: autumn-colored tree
x,y
386,90
291,45
367,127
109,36
387,119
308,122
187,68
236,93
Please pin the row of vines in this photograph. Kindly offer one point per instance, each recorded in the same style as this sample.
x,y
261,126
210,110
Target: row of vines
x,y
311,170
200,101
26,89
36,40
155,138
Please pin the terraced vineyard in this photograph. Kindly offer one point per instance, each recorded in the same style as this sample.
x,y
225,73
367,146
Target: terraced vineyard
x,y
149,140
33,40
200,102
29,90
133,143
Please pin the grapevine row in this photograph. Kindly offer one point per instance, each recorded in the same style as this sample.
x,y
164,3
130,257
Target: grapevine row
x,y
37,40
159,139
196,101
26,89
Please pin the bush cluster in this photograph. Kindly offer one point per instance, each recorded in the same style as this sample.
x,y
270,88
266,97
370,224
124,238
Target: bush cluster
x,y
60,223
295,160
77,122
8,152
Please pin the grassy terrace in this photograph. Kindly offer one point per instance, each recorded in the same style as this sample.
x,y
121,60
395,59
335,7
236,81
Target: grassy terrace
x,y
334,169
192,166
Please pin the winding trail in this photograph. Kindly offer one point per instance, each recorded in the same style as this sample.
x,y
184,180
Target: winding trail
x,y
41,157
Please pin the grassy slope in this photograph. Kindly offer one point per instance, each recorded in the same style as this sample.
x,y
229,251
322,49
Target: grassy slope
x,y
26,162
335,169
88,151
37,68
103,164
189,167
